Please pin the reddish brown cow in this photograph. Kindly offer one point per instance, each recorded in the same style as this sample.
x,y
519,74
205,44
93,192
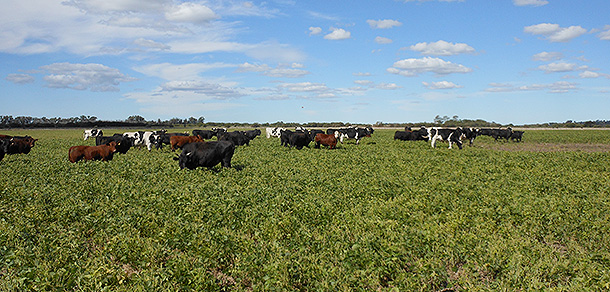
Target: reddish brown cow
x,y
326,140
180,141
102,152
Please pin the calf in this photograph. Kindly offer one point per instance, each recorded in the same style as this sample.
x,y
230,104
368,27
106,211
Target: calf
x,y
101,152
180,141
326,140
206,154
449,135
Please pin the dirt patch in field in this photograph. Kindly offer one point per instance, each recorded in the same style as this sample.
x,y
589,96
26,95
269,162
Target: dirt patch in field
x,y
549,147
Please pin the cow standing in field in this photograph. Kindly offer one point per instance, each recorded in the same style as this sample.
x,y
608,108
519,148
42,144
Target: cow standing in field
x,y
18,144
206,154
3,148
409,135
102,152
326,140
449,135
237,138
516,136
274,132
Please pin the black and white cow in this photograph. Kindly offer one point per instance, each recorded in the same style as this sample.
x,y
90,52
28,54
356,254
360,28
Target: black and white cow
x,y
274,132
470,134
354,133
449,135
206,154
92,133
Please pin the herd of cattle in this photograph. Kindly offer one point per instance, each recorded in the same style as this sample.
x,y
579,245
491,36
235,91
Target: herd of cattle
x,y
197,152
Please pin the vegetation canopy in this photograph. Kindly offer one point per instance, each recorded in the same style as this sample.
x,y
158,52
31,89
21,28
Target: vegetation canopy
x,y
384,215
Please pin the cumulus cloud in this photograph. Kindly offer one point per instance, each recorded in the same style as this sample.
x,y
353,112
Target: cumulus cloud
x,y
530,2
547,56
441,85
387,86
591,74
20,78
415,67
210,90
94,77
315,30
442,48
557,87
561,67
190,12
338,34
554,33
383,24
304,87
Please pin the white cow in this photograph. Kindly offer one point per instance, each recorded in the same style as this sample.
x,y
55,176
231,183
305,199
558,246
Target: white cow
x,y
92,133
274,132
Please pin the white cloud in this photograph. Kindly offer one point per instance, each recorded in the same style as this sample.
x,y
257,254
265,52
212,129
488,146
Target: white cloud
x,y
387,86
190,12
557,87
442,48
151,44
383,24
382,40
280,72
414,67
605,35
338,34
561,67
94,77
189,71
554,33
441,85
304,87
20,78
591,74
364,82
247,67
210,90
315,30
434,0
286,73
547,56
530,2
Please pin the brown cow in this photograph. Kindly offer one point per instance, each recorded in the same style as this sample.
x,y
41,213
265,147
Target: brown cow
x,y
326,140
102,152
180,141
17,145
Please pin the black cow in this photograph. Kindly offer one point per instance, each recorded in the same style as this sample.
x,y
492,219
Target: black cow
x,y
206,154
516,136
18,144
251,134
411,135
204,134
297,139
470,134
313,133
238,138
123,143
449,135
3,147
497,133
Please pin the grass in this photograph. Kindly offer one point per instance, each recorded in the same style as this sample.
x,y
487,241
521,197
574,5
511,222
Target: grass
x,y
383,215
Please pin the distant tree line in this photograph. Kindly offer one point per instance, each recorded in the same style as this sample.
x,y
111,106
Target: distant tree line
x,y
136,121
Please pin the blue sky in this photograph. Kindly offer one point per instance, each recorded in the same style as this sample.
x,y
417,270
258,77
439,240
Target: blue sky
x,y
508,61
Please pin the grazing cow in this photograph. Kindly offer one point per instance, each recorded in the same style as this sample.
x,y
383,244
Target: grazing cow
x,y
18,145
101,152
502,133
274,132
204,134
180,141
326,140
470,134
252,133
138,137
92,133
449,135
238,138
410,135
206,154
122,143
295,139
516,136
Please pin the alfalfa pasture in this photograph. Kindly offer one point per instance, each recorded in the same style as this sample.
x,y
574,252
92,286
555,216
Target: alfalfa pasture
x,y
384,215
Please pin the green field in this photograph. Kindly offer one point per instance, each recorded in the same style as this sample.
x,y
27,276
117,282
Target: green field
x,y
384,215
